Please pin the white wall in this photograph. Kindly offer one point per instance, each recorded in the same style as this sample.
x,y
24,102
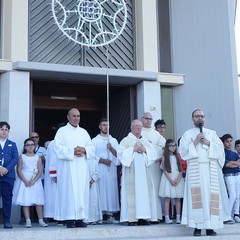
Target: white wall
x,y
203,48
15,30
14,108
237,32
149,99
146,35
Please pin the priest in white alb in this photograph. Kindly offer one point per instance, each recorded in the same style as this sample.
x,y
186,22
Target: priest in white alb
x,y
205,204
73,147
106,156
138,198
158,142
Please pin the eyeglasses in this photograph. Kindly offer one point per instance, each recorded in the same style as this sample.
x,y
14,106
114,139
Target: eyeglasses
x,y
35,137
172,145
199,116
146,118
29,145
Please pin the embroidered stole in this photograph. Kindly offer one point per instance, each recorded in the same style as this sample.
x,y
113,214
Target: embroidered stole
x,y
197,206
130,187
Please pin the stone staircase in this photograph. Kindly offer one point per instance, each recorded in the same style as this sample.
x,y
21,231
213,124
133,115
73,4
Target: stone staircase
x,y
115,231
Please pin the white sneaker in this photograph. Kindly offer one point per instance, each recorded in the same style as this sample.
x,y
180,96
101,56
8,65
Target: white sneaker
x,y
28,224
178,221
112,220
43,224
168,221
236,219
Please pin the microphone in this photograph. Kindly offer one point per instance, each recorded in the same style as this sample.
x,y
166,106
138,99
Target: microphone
x,y
200,125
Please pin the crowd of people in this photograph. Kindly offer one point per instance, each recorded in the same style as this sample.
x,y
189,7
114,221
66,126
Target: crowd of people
x,y
75,179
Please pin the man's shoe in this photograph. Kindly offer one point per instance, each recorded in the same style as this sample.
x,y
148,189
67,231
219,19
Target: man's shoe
x,y
8,225
132,223
236,219
70,224
230,221
80,223
143,222
155,222
197,232
210,232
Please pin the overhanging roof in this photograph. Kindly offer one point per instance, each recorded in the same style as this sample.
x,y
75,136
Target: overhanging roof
x,y
83,74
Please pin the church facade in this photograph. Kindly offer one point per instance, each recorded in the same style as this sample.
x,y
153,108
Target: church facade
x,y
171,58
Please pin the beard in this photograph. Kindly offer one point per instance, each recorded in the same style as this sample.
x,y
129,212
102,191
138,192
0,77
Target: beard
x,y
104,132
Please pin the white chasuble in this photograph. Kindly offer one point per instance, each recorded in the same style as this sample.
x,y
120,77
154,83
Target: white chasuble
x,y
158,142
137,190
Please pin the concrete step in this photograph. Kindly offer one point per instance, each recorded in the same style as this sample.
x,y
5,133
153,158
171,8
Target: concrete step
x,y
115,231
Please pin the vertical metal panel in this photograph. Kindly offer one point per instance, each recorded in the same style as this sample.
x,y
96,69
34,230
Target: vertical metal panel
x,y
164,36
49,45
168,110
120,117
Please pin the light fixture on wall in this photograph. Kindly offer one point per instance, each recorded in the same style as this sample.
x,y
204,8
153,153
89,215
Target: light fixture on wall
x,y
70,98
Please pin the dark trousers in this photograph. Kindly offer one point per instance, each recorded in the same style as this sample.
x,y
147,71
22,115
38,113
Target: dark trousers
x,y
6,189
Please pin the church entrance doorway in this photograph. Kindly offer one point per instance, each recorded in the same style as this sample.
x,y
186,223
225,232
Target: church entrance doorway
x,y
51,101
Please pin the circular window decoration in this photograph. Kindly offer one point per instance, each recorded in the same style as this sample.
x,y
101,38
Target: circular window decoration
x,y
90,23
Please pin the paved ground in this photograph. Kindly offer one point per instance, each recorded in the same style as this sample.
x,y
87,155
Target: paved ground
x,y
114,231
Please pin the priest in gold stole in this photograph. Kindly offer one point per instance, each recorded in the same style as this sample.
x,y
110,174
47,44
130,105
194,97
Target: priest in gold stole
x,y
205,204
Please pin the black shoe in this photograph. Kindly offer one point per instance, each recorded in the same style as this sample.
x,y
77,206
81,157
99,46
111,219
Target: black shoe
x,y
197,232
143,222
80,223
230,221
210,232
155,222
8,225
132,223
70,224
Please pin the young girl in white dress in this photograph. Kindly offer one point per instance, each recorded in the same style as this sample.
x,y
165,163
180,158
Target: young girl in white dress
x,y
28,189
172,183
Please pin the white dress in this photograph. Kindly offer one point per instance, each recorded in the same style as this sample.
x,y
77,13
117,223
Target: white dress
x,y
166,189
33,195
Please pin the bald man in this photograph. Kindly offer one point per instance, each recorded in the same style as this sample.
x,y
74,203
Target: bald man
x,y
73,147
